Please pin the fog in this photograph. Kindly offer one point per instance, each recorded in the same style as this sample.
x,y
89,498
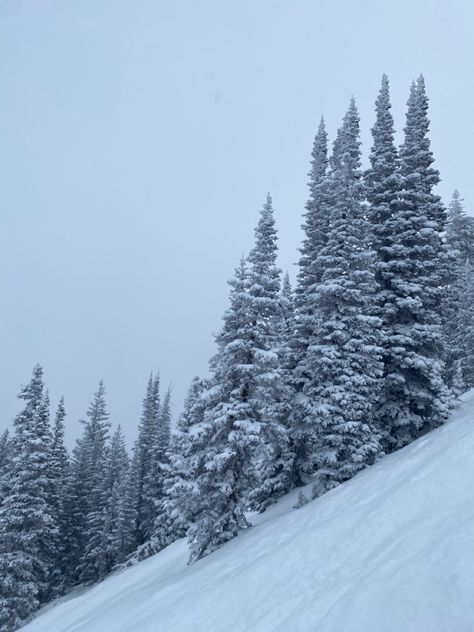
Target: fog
x,y
138,140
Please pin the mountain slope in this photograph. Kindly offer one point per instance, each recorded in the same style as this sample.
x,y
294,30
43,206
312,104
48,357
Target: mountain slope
x,y
390,551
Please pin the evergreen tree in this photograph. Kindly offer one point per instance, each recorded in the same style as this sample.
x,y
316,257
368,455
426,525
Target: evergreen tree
x,y
59,462
463,331
315,227
458,386
345,351
164,422
287,310
154,482
223,441
383,186
142,505
27,526
174,507
185,465
76,503
272,461
285,333
110,524
307,317
118,535
414,398
460,230
460,250
241,445
59,468
5,453
89,501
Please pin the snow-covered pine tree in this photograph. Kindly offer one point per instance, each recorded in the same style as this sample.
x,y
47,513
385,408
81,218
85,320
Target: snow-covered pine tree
x,y
307,318
119,536
27,526
164,422
243,439
97,558
154,480
458,386
383,185
463,331
315,227
460,250
174,507
178,508
50,540
141,504
59,460
345,352
76,503
59,468
5,452
414,397
272,461
460,230
287,309
224,440
286,333
93,561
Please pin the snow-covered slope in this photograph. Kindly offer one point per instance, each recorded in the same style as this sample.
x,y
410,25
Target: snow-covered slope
x,y
390,551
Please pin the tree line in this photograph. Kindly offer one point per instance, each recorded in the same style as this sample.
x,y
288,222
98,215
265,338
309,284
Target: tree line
x,y
370,351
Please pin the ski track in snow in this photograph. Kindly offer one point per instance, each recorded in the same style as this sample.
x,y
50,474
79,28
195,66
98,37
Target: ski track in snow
x,y
392,550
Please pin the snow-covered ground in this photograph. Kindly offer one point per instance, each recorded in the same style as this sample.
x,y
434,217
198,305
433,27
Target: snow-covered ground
x,y
390,551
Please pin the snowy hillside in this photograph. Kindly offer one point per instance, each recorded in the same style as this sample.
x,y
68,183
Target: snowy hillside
x,y
392,550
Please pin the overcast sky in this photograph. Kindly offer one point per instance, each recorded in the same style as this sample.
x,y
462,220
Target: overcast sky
x,y
138,139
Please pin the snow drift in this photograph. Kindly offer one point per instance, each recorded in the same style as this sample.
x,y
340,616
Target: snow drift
x,y
391,550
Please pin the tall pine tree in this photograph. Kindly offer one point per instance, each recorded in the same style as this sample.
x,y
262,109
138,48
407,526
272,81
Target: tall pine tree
x,y
223,441
154,481
186,460
242,443
414,398
118,534
140,476
86,500
460,230
272,461
59,468
383,185
307,317
346,350
462,330
455,307
6,453
27,528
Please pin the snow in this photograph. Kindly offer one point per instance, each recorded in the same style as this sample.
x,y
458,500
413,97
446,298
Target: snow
x,y
391,550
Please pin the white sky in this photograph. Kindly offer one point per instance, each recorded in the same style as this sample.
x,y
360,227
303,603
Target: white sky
x,y
138,140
